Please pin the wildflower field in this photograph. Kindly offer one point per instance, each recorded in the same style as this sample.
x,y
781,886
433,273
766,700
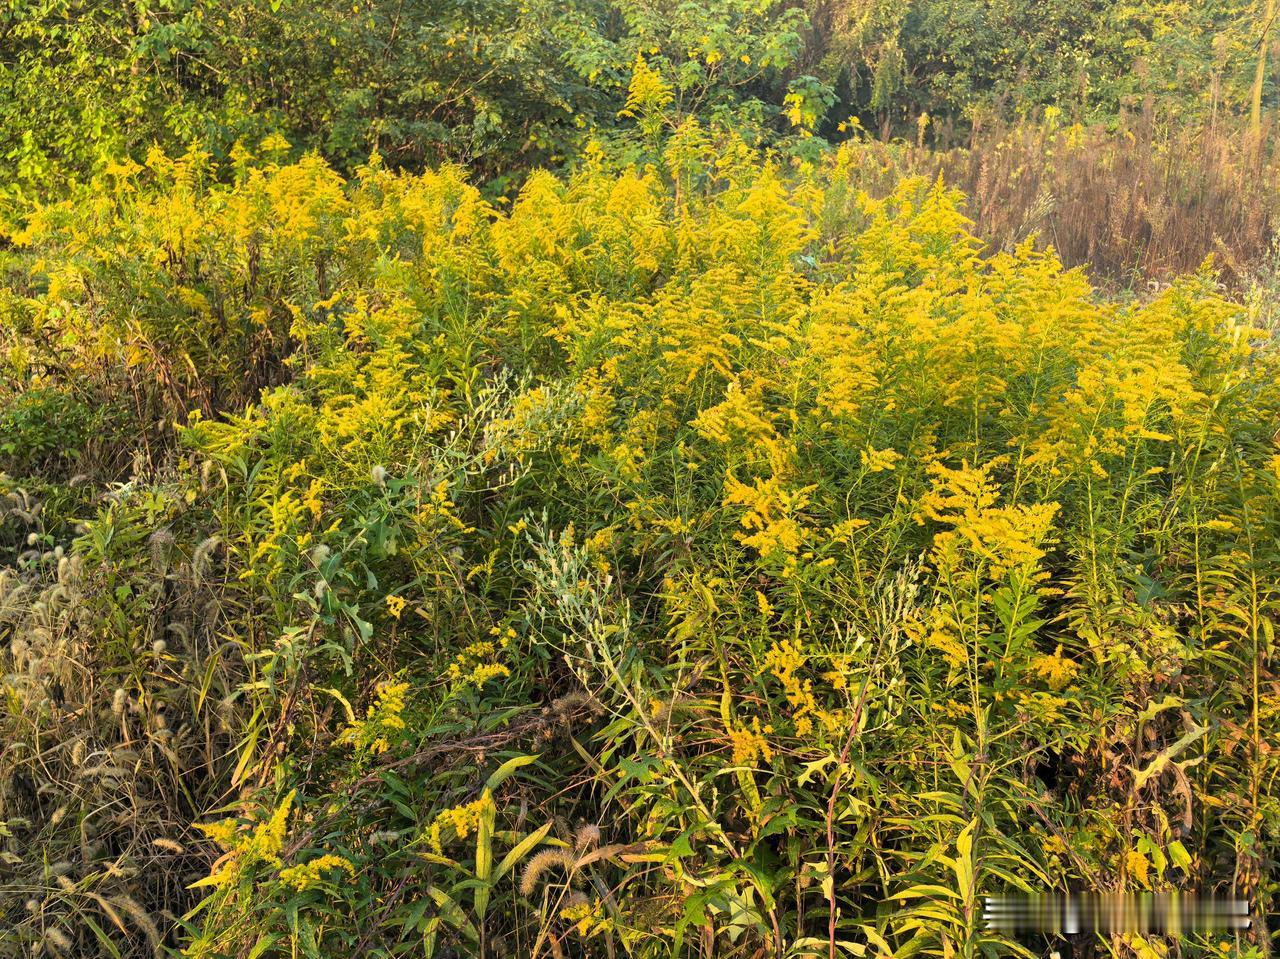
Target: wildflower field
x,y
703,549
689,561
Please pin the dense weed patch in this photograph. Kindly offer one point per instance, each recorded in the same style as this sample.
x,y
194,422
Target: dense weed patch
x,y
704,559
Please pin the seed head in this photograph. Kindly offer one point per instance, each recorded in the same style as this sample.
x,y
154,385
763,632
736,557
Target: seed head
x,y
587,836
540,864
58,939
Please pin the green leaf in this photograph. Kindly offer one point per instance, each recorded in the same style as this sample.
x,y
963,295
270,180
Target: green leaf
x,y
1158,764
452,913
484,855
519,851
963,864
506,769
926,891
1178,853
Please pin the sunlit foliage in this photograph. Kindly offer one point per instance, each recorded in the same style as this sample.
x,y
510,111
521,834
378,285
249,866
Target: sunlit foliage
x,y
697,559
508,85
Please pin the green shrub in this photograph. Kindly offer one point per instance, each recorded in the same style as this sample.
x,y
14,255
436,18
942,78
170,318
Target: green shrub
x,y
43,427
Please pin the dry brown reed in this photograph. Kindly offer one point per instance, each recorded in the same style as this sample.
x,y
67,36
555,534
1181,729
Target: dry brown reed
x,y
1138,204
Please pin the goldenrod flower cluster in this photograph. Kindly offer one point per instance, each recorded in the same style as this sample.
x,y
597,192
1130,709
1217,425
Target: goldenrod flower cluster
x,y
382,723
588,918
461,821
312,873
246,847
749,742
478,663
